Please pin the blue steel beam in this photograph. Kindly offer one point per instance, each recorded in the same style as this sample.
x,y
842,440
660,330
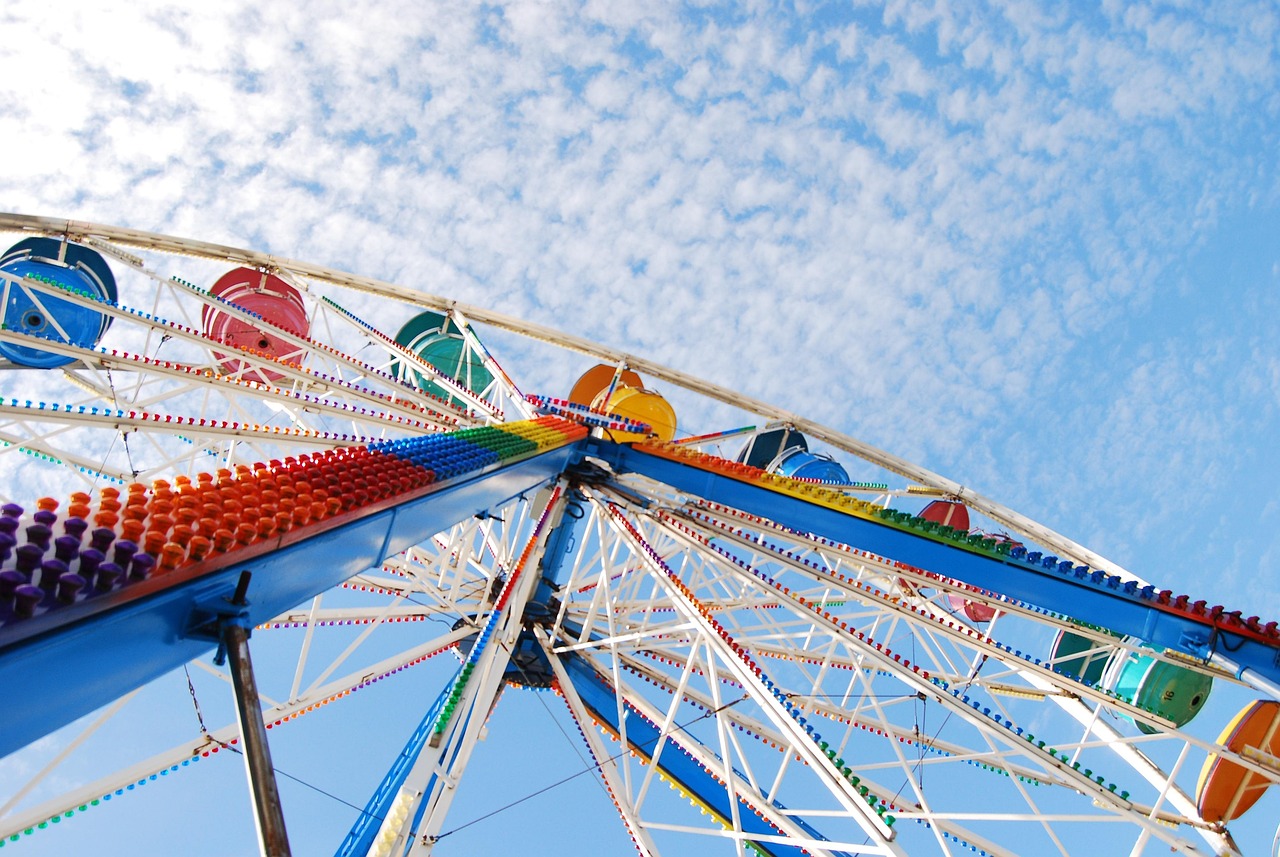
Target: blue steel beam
x,y
642,736
88,654
365,829
1102,601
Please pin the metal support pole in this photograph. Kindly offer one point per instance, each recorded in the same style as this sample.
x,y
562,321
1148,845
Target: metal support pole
x,y
1250,677
273,841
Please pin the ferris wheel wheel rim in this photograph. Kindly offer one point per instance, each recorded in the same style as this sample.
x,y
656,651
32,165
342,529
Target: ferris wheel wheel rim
x,y
1049,538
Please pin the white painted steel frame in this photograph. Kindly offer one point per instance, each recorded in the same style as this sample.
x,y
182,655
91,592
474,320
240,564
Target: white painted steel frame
x,y
81,230
620,612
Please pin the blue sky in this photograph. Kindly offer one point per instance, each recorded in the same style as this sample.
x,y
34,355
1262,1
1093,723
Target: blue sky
x,y
1036,250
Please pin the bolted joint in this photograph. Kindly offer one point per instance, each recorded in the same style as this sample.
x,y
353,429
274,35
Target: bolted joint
x,y
212,616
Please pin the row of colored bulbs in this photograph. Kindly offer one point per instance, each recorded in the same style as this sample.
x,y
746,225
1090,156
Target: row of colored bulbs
x,y
1086,684
1005,551
454,697
964,698
440,378
49,561
741,652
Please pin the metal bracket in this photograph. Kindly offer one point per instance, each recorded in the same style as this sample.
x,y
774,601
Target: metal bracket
x,y
1195,643
226,620
210,617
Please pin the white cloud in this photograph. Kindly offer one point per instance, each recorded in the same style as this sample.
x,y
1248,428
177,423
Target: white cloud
x,y
946,228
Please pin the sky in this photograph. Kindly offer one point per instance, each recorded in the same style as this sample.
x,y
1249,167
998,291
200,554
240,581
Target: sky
x,y
1036,250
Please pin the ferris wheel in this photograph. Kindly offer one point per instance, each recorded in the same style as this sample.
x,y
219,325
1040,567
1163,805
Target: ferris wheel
x,y
773,639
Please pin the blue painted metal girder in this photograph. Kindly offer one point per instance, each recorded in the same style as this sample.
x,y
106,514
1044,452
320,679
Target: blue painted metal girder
x,y
84,658
642,735
365,829
1125,613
